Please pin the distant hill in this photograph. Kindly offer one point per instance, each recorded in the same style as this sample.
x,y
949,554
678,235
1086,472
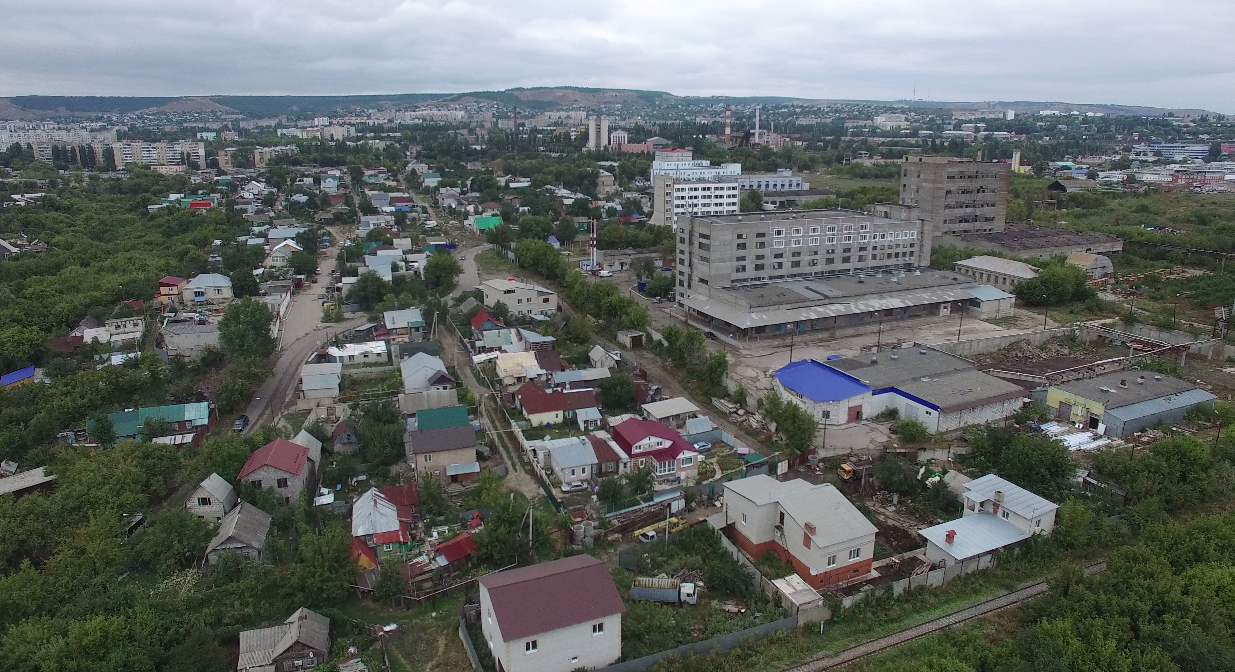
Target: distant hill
x,y
536,98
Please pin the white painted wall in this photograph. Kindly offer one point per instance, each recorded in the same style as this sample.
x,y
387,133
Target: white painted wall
x,y
561,650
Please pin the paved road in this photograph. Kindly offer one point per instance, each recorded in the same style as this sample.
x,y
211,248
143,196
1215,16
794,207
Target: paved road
x,y
997,603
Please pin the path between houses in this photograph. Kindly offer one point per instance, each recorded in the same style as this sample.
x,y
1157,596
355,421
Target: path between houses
x,y
1000,602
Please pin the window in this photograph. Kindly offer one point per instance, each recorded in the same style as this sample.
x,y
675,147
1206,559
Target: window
x,y
814,230
759,267
847,239
282,483
203,501
760,246
572,472
778,233
831,561
813,262
831,229
778,243
741,236
743,518
863,237
777,265
598,628
256,484
1005,514
812,241
761,235
740,268
830,240
740,258
796,231
741,246
795,264
855,554
1037,523
545,300
428,458
529,646
864,227
796,242
846,228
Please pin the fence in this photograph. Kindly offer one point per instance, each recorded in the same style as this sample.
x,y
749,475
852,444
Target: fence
x,y
980,346
714,645
468,646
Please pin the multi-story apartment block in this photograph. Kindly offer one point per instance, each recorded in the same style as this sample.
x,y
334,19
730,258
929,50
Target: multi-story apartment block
x,y
597,132
689,169
781,180
674,199
159,153
733,250
956,195
263,155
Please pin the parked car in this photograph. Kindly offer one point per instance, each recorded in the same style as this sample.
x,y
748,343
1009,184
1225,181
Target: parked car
x,y
605,274
574,487
703,447
240,423
648,537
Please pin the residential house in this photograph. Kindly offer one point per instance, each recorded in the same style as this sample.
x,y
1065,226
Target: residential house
x,y
997,514
448,416
281,254
213,499
170,290
381,523
588,419
515,368
550,361
557,616
320,381
1096,266
186,338
243,530
603,359
208,288
455,554
652,445
578,378
1122,403
281,466
610,459
19,377
426,384
997,271
814,527
372,352
574,463
522,298
551,408
27,482
345,438
404,325
673,412
277,234
314,446
434,450
184,419
299,643
481,322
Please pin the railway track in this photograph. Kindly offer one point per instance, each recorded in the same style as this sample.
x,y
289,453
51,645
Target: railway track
x,y
959,617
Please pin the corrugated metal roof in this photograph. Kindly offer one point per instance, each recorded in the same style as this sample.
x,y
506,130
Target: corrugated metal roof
x,y
670,407
1185,399
1015,498
1000,265
975,535
988,293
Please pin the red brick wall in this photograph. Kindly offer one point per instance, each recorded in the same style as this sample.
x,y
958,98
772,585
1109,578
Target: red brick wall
x,y
817,581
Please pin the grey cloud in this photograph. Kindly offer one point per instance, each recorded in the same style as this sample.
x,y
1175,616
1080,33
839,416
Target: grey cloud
x,y
1124,51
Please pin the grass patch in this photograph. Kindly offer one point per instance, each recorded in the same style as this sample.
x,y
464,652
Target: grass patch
x,y
1007,321
295,420
428,635
490,260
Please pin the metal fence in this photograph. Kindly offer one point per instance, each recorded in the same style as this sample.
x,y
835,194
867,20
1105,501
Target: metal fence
x,y
468,646
714,645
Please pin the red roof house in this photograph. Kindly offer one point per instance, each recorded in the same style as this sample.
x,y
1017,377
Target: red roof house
x,y
543,407
281,466
365,557
653,445
481,321
608,459
454,553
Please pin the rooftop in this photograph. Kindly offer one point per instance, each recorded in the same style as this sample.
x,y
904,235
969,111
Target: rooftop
x,y
976,535
502,284
836,520
884,370
818,382
1138,386
281,454
443,438
1168,403
1016,499
1018,269
960,390
670,407
246,524
1032,238
546,597
25,480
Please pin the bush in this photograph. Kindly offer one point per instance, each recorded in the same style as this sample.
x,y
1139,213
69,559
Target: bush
x,y
911,430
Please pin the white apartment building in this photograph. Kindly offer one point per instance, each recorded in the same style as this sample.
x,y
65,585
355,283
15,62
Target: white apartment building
x,y
693,170
597,132
618,138
159,153
263,155
522,298
673,198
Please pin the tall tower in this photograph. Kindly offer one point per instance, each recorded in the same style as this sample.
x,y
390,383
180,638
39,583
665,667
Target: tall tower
x,y
597,132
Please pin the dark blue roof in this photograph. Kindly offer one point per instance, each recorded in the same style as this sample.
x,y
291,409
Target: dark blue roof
x,y
17,376
818,382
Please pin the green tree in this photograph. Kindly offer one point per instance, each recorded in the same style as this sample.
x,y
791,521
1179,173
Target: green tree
x,y
752,201
565,230
617,393
325,568
244,330
104,431
912,430
303,263
533,227
390,582
244,283
441,270
368,291
432,495
660,286
643,267
897,475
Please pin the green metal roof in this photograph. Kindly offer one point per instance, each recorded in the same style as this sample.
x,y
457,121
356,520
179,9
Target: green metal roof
x,y
491,222
437,418
129,423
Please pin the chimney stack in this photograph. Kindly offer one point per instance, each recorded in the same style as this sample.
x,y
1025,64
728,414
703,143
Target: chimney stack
x,y
950,537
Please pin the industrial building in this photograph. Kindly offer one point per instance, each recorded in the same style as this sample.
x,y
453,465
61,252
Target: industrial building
x,y
1037,242
956,195
781,180
1122,403
996,271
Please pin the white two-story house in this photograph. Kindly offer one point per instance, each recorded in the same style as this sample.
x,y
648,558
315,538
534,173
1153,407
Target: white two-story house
x,y
652,445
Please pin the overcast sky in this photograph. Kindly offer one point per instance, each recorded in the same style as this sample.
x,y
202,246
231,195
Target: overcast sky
x,y
1146,52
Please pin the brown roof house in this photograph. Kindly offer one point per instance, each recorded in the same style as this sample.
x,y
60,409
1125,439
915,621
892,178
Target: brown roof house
x,y
553,617
242,531
436,451
301,642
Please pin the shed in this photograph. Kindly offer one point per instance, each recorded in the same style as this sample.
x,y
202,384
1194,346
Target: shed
x,y
212,499
242,531
1096,266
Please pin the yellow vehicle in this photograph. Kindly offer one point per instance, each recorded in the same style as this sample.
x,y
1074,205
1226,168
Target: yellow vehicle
x,y
845,471
675,525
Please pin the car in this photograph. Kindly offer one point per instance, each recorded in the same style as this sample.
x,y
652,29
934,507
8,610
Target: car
x,y
240,423
321,296
703,446
648,537
711,336
604,274
574,487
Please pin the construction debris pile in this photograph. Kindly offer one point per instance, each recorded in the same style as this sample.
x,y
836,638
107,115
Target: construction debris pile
x,y
1024,352
1073,437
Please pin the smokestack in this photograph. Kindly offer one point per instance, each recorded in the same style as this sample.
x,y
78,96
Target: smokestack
x,y
757,123
950,536
728,121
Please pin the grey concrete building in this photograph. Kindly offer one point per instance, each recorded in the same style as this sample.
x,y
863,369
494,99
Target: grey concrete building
x,y
996,271
956,195
755,248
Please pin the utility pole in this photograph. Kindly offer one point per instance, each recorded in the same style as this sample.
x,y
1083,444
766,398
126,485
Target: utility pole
x,y
879,336
961,326
791,335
